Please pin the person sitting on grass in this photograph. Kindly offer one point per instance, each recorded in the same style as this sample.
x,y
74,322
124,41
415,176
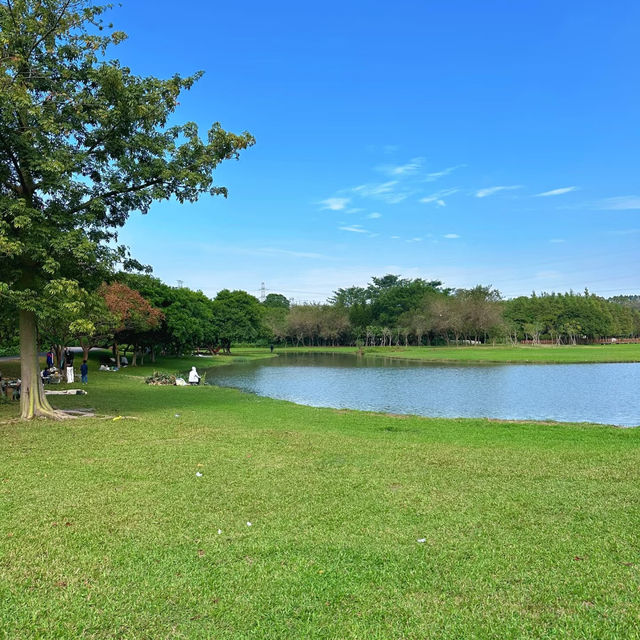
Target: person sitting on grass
x,y
46,374
194,378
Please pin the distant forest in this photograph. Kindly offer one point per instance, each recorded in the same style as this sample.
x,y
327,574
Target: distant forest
x,y
141,315
398,311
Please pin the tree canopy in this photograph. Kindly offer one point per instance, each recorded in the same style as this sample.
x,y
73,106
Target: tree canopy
x,y
83,142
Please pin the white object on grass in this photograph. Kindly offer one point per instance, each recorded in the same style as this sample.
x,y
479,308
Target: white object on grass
x,y
422,539
248,524
198,474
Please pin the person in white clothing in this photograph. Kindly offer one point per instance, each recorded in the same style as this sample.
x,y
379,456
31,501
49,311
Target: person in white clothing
x,y
194,378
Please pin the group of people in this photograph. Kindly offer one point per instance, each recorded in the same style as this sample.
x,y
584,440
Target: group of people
x,y
67,366
10,388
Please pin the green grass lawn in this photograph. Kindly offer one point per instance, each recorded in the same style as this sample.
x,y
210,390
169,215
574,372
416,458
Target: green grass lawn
x,y
527,530
500,353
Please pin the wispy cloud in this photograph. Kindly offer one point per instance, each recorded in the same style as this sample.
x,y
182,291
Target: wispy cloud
x,y
556,192
451,236
411,167
386,191
623,232
374,215
354,228
557,240
334,204
489,191
376,189
258,251
438,196
436,175
619,203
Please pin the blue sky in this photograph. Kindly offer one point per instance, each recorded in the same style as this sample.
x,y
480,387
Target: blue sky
x,y
472,142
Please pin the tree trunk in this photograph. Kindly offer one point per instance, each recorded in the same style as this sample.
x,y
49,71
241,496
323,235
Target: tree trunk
x,y
58,352
33,402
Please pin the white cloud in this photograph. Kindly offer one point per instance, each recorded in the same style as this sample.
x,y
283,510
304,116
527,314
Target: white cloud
x,y
557,192
451,236
432,177
394,198
489,191
624,232
395,237
415,240
403,169
385,191
619,203
374,215
334,204
354,228
438,196
376,189
225,250
353,210
557,240
441,203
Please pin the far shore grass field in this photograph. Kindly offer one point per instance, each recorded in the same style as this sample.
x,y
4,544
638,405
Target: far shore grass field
x,y
500,353
312,523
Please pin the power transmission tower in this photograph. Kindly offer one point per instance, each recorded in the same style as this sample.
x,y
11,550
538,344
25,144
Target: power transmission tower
x,y
263,292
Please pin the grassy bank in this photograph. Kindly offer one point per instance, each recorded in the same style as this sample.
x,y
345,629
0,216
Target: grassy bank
x,y
486,353
362,525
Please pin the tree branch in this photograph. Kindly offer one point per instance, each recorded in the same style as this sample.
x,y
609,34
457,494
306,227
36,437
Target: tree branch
x,y
49,31
116,192
15,163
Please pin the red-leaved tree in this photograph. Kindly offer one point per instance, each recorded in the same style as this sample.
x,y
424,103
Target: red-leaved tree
x,y
134,314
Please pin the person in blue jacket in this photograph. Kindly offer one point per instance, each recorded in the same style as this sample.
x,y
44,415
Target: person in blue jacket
x,y
84,372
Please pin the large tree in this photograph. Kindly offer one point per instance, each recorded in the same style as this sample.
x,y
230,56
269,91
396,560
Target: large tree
x,y
83,142
237,317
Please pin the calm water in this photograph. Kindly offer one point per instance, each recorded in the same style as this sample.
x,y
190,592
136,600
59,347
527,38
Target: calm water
x,y
604,393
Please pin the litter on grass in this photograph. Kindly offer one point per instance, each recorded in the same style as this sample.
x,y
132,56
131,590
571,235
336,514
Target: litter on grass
x,y
198,474
422,539
248,524
219,531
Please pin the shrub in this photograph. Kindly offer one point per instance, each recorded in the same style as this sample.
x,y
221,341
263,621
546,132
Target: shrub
x,y
160,378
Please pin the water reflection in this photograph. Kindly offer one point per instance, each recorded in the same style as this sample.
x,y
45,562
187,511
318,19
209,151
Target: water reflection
x,y
603,393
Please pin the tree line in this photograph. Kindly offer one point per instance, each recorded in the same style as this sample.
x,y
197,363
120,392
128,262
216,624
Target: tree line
x,y
395,311
140,315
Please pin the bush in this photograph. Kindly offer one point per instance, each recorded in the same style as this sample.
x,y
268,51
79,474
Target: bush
x,y
10,348
160,378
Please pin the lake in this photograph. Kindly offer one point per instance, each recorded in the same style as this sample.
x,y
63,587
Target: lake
x,y
601,393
